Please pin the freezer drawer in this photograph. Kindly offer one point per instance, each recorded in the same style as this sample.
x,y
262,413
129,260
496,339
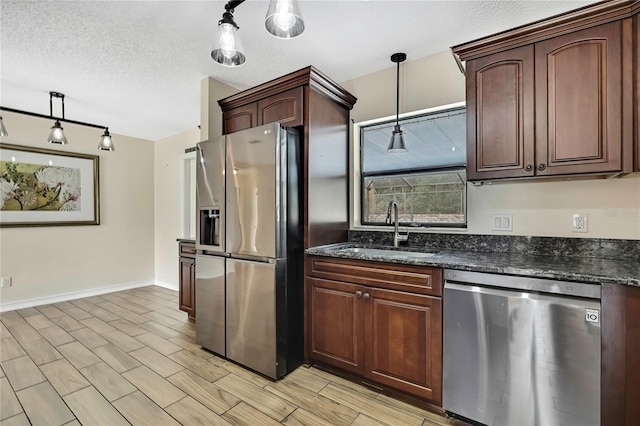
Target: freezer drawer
x,y
515,357
210,303
251,315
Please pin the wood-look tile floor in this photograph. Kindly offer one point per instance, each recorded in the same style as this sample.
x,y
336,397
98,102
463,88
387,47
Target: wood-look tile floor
x,y
130,357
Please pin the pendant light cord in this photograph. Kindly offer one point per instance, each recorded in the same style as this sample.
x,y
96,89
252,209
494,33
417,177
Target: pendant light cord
x,y
397,92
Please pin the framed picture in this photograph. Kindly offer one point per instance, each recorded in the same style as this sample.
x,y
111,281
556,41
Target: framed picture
x,y
43,187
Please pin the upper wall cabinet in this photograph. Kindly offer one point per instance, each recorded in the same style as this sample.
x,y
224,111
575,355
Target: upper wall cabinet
x,y
557,97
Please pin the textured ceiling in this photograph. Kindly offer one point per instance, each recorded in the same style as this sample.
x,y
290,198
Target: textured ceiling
x,y
136,66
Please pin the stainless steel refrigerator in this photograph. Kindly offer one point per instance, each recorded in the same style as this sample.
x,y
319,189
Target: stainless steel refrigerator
x,y
249,262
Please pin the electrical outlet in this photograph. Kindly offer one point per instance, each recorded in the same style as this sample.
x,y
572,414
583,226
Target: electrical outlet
x,y
579,222
5,282
502,222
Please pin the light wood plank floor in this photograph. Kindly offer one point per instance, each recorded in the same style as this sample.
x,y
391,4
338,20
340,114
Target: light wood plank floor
x,y
130,357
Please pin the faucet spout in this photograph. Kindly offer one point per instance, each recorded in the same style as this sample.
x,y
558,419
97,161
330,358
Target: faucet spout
x,y
397,236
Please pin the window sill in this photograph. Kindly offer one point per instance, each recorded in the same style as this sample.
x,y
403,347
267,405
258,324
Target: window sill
x,y
412,230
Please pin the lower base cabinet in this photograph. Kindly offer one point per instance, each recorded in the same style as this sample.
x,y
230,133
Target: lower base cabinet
x,y
187,279
373,327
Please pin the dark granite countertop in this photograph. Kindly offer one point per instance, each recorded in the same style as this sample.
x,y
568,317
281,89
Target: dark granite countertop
x,y
569,268
186,240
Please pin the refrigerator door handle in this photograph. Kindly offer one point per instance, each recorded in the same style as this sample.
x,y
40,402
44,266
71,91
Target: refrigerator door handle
x,y
262,259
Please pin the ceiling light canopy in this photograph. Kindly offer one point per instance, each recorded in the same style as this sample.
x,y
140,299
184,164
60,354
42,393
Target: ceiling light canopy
x,y
56,135
283,20
397,137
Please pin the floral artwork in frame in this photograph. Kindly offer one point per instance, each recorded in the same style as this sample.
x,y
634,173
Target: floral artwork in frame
x,y
43,187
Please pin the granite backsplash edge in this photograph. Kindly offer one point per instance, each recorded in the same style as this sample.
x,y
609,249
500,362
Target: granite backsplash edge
x,y
549,246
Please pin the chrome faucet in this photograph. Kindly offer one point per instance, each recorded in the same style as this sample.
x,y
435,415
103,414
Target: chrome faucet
x,y
397,236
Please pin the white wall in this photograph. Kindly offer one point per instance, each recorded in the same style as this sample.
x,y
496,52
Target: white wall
x,y
63,262
170,181
539,208
168,203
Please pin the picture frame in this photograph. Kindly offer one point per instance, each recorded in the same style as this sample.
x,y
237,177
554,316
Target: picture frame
x,y
44,187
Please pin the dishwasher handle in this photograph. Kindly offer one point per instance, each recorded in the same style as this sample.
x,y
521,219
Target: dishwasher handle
x,y
519,294
565,288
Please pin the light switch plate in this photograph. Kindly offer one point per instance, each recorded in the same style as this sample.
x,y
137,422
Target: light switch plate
x,y
502,222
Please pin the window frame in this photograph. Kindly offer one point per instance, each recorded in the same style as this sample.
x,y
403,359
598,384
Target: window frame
x,y
361,127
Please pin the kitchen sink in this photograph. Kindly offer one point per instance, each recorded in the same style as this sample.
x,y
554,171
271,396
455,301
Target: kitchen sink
x,y
387,253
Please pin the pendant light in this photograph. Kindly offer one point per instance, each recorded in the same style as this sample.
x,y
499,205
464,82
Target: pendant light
x,y
57,134
397,137
106,144
3,130
284,19
227,49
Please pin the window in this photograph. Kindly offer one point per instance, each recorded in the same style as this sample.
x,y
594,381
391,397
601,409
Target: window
x,y
428,182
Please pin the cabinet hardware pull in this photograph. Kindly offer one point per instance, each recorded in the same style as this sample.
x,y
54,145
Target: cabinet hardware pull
x,y
366,296
358,293
528,167
542,166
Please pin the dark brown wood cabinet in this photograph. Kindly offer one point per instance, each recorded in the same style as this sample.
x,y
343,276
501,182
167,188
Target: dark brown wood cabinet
x,y
636,71
187,278
556,97
620,355
578,102
309,100
285,107
240,118
500,115
379,321
337,333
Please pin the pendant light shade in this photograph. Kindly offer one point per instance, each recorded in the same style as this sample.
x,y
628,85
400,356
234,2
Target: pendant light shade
x,y
397,141
3,130
57,134
106,144
397,137
227,48
284,19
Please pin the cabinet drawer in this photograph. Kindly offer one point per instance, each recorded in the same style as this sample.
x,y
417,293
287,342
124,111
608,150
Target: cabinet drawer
x,y
413,279
187,249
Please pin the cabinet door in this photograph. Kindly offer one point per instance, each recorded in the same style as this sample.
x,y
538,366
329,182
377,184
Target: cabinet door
x,y
187,286
633,355
285,107
500,115
240,118
336,324
578,102
636,72
403,332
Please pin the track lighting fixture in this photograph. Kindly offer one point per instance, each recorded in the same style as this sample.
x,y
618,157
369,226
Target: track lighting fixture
x,y
283,20
56,136
397,137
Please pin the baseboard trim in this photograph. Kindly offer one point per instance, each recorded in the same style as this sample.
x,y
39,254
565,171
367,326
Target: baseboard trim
x,y
169,286
12,306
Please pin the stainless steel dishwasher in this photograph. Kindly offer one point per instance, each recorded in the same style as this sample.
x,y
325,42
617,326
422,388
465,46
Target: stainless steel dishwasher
x,y
521,351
